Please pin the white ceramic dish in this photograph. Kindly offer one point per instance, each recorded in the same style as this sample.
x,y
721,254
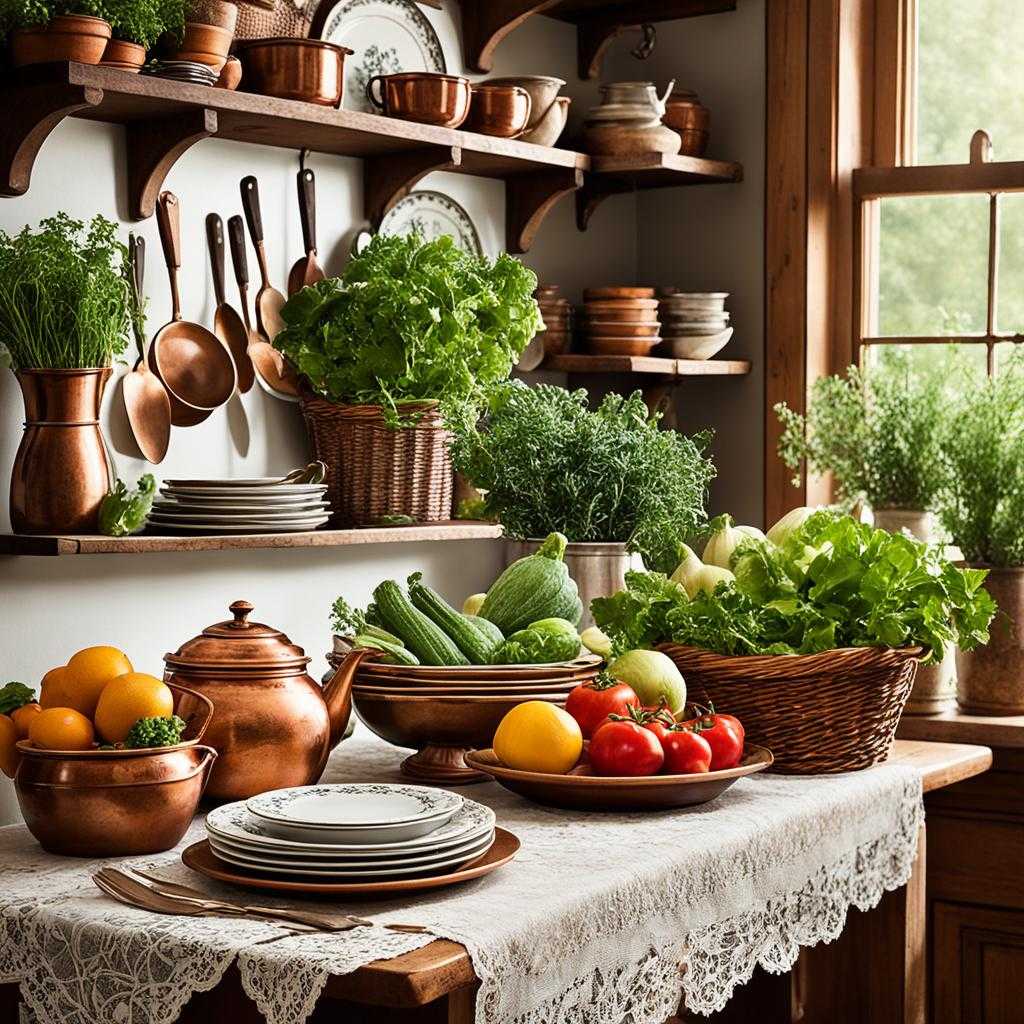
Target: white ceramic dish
x,y
697,347
243,514
198,496
432,214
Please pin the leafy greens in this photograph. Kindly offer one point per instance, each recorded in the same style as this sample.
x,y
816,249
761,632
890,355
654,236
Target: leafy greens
x,y
123,511
834,582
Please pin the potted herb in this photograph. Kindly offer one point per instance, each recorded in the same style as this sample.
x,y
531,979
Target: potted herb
x,y
982,507
411,341
137,25
609,479
63,317
40,31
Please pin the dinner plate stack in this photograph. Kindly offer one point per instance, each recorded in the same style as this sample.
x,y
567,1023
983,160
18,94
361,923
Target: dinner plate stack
x,y
350,832
260,505
181,71
695,325
620,321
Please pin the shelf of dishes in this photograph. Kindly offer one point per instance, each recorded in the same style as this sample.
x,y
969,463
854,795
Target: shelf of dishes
x,y
581,363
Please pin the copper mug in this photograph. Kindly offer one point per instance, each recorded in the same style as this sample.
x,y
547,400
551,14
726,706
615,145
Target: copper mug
x,y
422,96
499,110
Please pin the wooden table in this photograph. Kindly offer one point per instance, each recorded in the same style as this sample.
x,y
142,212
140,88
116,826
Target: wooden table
x,y
874,974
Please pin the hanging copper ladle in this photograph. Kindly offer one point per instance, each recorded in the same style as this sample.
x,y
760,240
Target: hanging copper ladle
x,y
227,324
193,363
306,270
145,399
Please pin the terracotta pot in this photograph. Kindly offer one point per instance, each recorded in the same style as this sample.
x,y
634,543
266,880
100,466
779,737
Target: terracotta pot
x,y
598,569
220,13
230,74
123,55
917,522
61,471
990,679
73,37
204,44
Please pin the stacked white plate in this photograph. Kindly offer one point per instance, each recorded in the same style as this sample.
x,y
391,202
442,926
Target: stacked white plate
x,y
258,505
351,831
695,325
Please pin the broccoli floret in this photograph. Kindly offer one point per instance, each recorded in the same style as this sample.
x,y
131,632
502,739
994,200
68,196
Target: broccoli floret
x,y
155,732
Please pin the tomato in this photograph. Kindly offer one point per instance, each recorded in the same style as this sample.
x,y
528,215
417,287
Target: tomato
x,y
591,703
686,752
724,734
625,748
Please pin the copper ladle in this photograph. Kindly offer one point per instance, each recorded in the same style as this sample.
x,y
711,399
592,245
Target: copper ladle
x,y
306,270
196,368
273,374
227,324
145,400
268,299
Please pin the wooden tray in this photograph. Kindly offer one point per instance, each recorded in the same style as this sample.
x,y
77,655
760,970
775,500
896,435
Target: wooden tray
x,y
580,790
199,857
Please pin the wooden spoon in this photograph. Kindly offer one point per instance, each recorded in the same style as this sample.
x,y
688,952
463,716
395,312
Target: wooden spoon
x,y
268,299
145,399
227,324
306,270
273,374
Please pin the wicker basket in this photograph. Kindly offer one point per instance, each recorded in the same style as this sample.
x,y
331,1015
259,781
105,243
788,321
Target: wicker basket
x,y
374,471
836,711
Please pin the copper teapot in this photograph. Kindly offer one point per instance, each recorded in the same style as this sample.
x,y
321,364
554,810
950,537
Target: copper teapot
x,y
272,725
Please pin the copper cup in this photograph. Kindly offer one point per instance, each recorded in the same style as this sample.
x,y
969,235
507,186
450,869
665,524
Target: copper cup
x,y
499,110
308,70
685,114
422,96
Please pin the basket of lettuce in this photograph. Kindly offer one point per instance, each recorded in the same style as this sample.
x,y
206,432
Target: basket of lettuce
x,y
811,637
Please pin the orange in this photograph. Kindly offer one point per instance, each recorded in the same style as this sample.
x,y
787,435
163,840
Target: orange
x,y
61,729
89,671
128,698
22,717
538,737
9,756
53,692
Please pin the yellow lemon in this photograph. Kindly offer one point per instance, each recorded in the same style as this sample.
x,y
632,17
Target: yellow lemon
x,y
61,729
53,691
538,737
128,698
88,672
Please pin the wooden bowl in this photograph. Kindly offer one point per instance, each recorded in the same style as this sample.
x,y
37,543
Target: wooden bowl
x,y
615,329
580,790
617,305
617,293
622,346
628,314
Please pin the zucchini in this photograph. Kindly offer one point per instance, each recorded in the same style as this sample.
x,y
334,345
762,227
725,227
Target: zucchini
x,y
376,633
417,631
395,653
488,627
533,588
475,643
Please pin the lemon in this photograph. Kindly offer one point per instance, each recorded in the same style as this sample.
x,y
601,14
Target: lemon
x,y
88,672
538,737
128,698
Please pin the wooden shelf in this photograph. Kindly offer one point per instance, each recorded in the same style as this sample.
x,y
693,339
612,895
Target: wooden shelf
x,y
961,727
664,367
24,544
485,23
614,175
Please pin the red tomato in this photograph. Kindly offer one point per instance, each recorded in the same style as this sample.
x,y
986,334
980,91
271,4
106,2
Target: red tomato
x,y
686,753
724,734
625,748
659,721
591,703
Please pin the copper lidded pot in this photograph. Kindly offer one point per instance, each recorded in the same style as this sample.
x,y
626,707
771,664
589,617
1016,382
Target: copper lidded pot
x,y
272,725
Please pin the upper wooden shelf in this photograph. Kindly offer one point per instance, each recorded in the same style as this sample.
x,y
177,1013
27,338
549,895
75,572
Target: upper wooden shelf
x,y
485,23
143,544
582,363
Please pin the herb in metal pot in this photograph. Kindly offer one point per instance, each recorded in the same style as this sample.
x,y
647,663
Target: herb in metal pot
x,y
122,511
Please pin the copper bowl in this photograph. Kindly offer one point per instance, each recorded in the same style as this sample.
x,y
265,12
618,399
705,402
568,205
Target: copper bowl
x,y
499,110
422,96
308,70
685,114
621,346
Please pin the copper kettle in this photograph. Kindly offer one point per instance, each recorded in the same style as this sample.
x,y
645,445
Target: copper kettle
x,y
272,725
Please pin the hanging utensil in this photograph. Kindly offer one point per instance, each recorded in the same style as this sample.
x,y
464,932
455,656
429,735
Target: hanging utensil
x,y
268,299
195,367
227,324
145,399
306,270
272,372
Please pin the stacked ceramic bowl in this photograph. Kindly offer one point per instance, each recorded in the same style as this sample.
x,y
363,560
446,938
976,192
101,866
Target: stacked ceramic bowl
x,y
695,325
620,321
556,311
349,832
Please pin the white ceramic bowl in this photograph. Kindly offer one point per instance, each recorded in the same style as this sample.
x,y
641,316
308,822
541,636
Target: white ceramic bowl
x,y
699,346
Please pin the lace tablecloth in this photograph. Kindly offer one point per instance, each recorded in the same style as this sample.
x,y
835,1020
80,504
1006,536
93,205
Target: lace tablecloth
x,y
601,919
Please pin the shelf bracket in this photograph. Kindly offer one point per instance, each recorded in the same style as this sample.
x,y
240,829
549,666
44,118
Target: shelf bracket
x,y
387,179
154,146
31,113
528,200
592,195
486,22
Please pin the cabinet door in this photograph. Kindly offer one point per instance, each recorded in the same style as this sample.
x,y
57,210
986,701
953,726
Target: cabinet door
x,y
978,965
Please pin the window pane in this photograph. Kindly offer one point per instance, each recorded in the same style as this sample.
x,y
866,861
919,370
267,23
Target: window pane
x,y
933,265
1010,311
958,365
968,77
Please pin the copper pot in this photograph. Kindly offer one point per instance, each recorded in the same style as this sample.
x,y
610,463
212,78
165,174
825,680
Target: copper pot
x,y
61,471
685,114
111,803
272,725
500,110
309,70
422,96
76,37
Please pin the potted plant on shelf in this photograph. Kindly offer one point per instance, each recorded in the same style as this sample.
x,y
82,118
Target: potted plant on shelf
x,y
410,342
63,317
41,31
982,507
609,479
136,26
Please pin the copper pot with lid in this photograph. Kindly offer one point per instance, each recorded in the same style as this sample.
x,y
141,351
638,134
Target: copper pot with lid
x,y
272,725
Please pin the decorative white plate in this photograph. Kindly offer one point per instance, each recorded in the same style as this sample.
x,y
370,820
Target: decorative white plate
x,y
218,483
432,214
234,514
270,502
234,823
278,493
387,36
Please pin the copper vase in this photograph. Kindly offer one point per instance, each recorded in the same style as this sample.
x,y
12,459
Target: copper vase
x,y
61,471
